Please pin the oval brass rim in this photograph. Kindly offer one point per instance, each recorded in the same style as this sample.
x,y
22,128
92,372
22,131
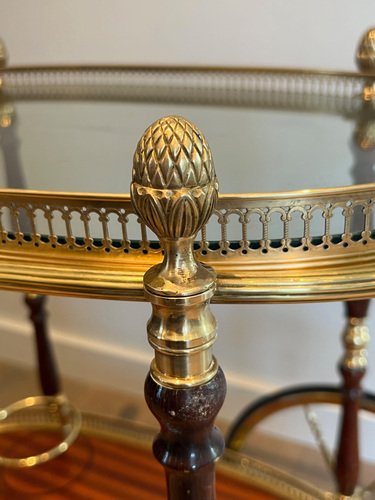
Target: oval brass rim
x,y
70,423
311,271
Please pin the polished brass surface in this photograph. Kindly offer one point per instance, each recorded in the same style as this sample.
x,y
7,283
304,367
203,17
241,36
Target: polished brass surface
x,y
356,338
174,191
280,483
83,259
59,410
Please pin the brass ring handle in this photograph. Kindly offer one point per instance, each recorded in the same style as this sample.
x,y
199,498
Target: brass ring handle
x,y
70,422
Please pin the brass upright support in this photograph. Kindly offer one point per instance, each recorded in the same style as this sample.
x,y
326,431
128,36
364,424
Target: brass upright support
x,y
174,190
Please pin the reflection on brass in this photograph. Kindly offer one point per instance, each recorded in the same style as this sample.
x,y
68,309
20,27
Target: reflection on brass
x,y
356,338
174,191
79,245
58,410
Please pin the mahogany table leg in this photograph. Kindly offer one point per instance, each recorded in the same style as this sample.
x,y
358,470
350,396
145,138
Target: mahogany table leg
x,y
188,443
48,374
352,368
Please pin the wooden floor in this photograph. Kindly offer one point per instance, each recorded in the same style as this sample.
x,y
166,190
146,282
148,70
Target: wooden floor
x,y
90,459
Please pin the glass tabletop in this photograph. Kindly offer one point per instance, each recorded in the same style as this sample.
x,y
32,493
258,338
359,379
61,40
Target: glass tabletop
x,y
268,131
88,145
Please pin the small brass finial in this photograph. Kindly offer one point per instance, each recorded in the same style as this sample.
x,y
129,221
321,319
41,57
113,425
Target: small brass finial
x,y
366,52
174,191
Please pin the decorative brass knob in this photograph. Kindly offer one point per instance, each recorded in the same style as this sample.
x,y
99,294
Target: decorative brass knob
x,y
366,52
174,191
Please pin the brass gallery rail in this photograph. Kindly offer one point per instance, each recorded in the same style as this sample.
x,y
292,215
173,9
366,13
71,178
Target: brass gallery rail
x,y
275,247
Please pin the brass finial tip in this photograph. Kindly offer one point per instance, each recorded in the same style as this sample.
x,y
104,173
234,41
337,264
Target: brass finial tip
x,y
366,52
174,184
172,154
3,54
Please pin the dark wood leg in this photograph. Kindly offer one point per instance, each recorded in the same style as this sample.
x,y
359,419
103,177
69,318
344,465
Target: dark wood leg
x,y
48,374
188,443
352,368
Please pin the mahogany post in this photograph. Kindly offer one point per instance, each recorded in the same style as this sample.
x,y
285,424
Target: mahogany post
x,y
48,374
353,369
188,443
174,190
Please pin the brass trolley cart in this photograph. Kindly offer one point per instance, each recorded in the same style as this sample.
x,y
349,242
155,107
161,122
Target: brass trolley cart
x,y
180,269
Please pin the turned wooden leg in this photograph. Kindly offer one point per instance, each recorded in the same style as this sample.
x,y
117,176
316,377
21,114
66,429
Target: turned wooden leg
x,y
352,368
174,190
188,443
48,374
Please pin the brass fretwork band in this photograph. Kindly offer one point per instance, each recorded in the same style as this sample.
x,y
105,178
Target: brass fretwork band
x,y
332,260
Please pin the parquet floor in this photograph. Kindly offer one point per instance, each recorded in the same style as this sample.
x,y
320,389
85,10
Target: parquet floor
x,y
97,469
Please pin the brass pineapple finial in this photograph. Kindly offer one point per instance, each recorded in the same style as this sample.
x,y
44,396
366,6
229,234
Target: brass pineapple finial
x,y
366,52
174,191
173,162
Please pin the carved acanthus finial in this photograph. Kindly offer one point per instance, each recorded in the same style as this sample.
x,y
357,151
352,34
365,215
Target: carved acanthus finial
x,y
366,52
173,178
174,191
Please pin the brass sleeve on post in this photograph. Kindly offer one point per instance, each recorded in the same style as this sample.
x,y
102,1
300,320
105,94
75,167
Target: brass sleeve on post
x,y
355,339
174,191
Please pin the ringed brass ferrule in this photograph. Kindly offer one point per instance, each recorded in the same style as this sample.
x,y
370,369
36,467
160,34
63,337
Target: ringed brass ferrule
x,y
356,338
182,332
174,191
